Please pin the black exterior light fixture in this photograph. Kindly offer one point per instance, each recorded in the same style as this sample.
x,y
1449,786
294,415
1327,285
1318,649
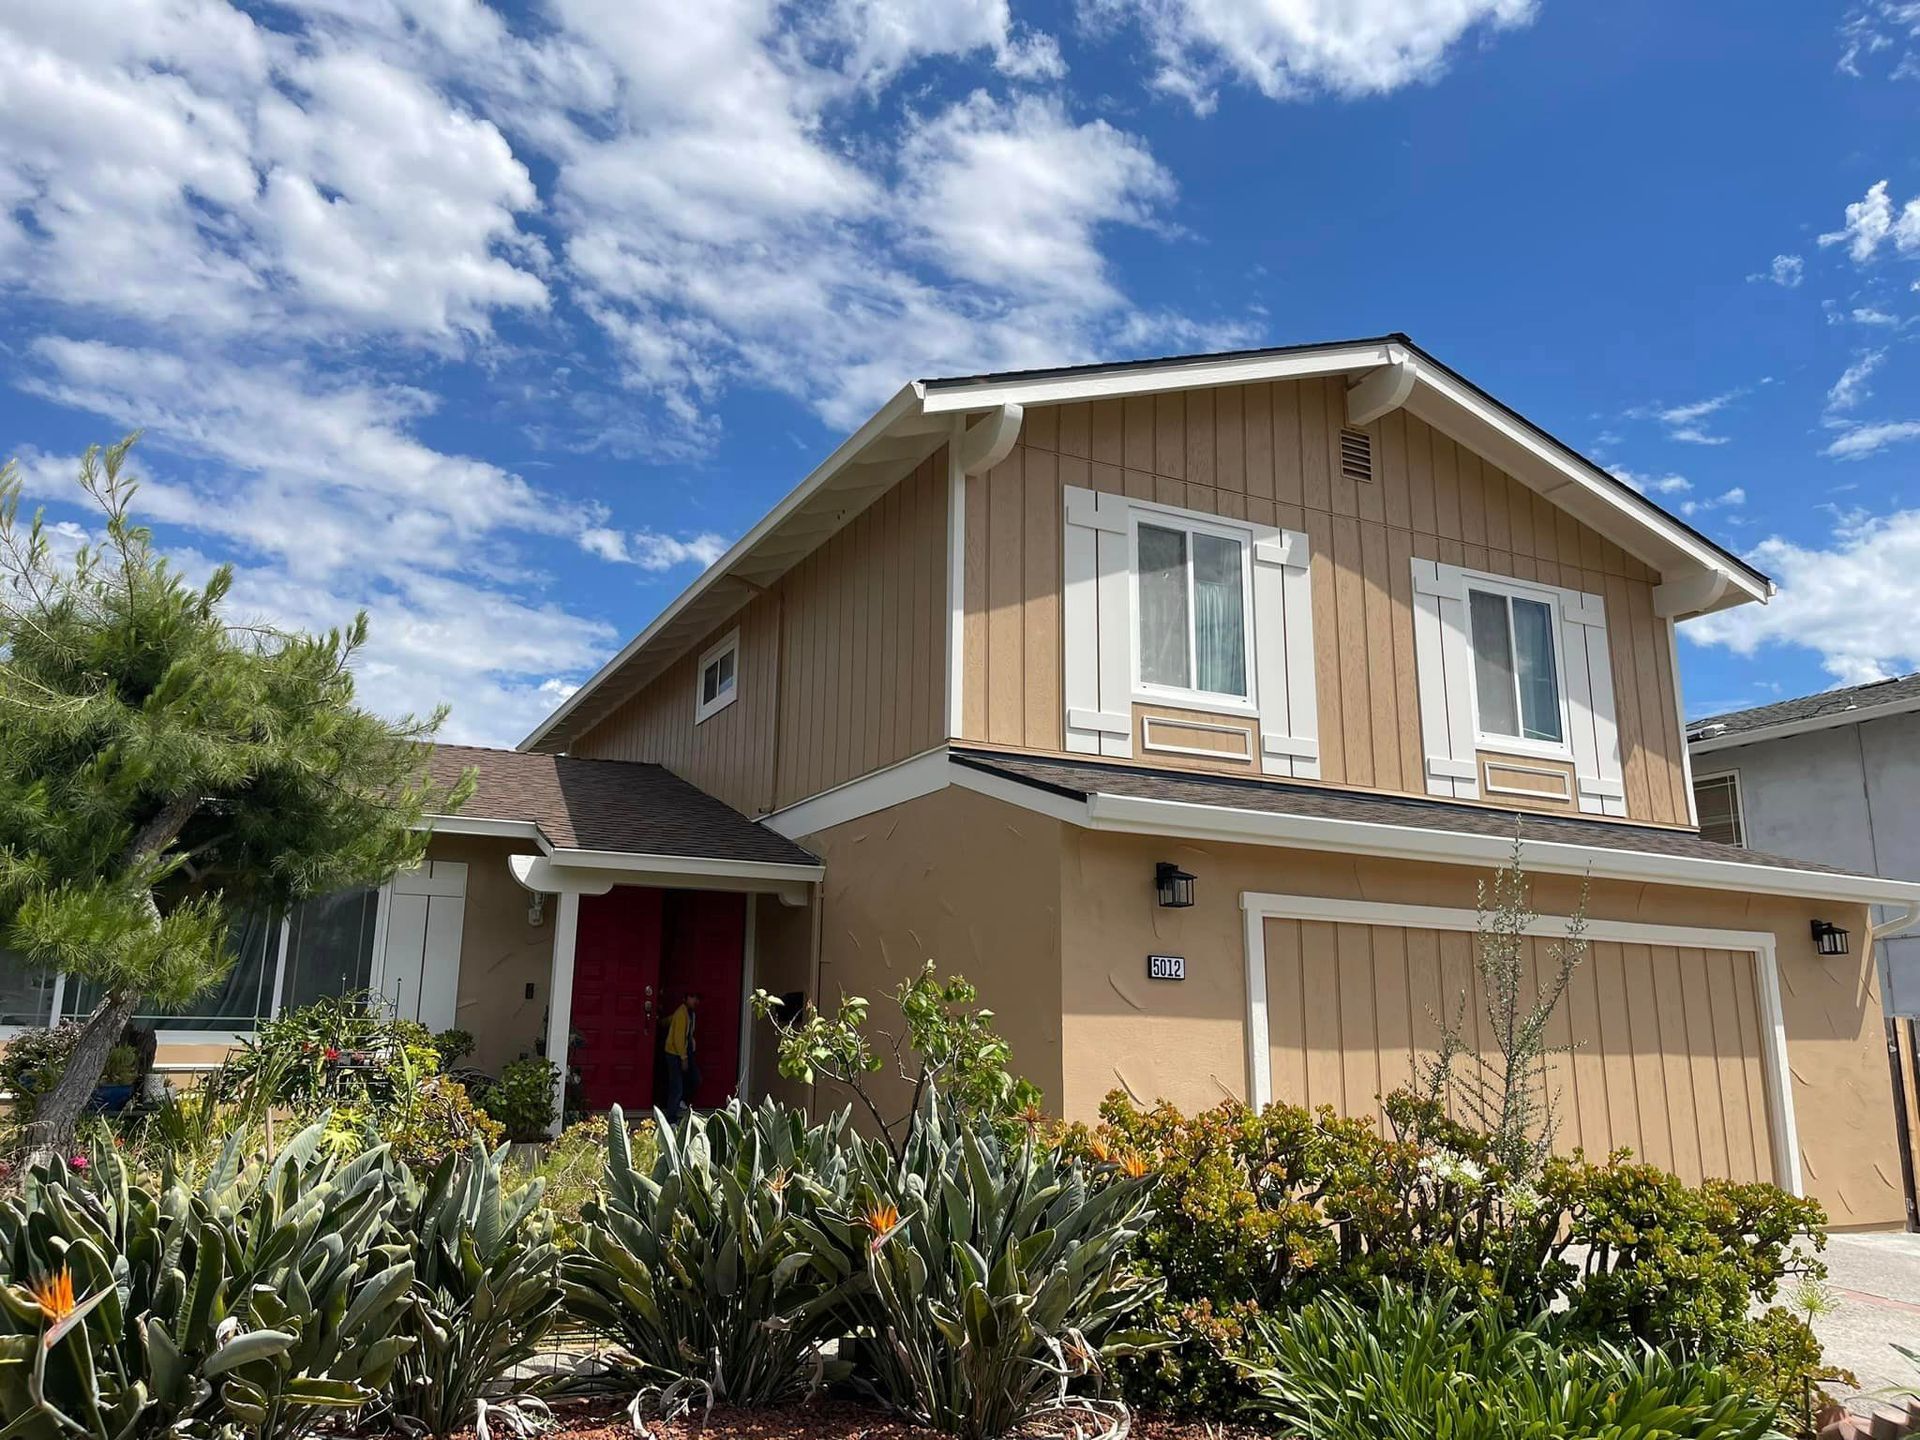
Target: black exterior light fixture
x,y
1173,885
1828,938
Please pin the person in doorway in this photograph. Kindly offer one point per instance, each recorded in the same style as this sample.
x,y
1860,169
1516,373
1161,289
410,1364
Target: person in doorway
x,y
683,1075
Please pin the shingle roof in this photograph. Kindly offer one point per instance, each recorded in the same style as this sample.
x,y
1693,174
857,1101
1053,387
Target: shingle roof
x,y
1870,696
618,805
1079,778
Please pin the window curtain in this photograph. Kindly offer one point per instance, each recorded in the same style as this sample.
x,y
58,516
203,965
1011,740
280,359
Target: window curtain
x,y
26,991
1533,664
1493,663
1219,620
235,1002
1163,607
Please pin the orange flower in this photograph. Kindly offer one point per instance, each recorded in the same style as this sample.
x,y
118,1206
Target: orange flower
x,y
1132,1166
55,1295
882,1220
1100,1152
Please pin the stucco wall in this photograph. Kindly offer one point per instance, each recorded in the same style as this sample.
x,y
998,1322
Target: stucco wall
x,y
1185,1042
967,882
500,953
1845,797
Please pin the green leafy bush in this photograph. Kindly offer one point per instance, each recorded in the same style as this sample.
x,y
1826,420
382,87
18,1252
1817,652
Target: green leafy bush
x,y
993,1272
436,1118
34,1059
486,1288
453,1046
1266,1211
1398,1364
340,1050
522,1098
266,1297
573,1164
701,1266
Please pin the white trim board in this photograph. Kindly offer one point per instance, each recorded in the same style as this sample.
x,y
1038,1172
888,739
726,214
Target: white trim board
x,y
1259,907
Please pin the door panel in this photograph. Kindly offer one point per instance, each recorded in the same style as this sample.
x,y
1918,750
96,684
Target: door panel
x,y
706,936
1665,1051
616,982
420,965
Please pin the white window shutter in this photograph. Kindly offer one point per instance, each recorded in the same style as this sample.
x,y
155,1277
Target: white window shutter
x,y
1591,718
1098,659
1443,657
1283,654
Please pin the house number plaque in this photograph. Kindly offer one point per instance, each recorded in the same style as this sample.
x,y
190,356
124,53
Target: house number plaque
x,y
1166,967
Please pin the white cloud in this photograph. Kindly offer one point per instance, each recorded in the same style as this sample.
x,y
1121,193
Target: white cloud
x,y
880,38
1730,499
1290,49
1852,600
1860,441
1867,315
1682,422
1786,271
1654,484
651,550
1851,388
1872,222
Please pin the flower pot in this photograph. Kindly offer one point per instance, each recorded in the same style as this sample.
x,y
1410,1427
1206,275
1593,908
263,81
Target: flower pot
x,y
109,1099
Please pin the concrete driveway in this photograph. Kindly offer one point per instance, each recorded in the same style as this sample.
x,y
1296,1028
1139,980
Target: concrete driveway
x,y
1874,1280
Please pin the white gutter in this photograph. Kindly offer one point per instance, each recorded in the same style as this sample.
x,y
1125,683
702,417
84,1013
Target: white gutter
x,y
492,829
1909,912
1184,820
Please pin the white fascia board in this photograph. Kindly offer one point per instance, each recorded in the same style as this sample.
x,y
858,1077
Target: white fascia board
x,y
1179,819
1831,721
480,825
900,782
774,872
904,403
1548,452
1156,379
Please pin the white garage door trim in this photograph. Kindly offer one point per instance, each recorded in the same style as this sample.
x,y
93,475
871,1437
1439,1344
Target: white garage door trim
x,y
1259,908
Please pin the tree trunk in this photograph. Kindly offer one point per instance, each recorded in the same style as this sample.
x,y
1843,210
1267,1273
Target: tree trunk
x,y
59,1110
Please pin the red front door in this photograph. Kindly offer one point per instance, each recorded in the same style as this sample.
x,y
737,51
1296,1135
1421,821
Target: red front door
x,y
616,998
706,933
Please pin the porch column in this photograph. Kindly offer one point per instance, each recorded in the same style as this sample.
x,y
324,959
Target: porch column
x,y
566,922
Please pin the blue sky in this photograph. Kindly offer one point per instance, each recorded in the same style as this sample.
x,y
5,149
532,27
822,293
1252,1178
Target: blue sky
x,y
500,322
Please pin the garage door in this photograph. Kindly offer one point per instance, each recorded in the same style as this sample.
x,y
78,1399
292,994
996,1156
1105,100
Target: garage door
x,y
1667,1058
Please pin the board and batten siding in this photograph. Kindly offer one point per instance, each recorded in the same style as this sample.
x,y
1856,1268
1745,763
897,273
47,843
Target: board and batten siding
x,y
842,666
1269,453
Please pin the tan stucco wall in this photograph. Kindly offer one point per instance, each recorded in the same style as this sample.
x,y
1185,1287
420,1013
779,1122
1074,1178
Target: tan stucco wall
x,y
965,881
500,954
1186,1042
782,963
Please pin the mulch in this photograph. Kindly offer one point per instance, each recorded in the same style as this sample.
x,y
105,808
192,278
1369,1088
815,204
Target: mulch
x,y
604,1419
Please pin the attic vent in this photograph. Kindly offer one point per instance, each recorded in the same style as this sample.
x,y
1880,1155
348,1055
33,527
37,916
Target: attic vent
x,y
1356,455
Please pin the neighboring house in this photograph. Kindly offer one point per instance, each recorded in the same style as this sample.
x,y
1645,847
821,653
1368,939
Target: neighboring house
x,y
1834,777
1181,705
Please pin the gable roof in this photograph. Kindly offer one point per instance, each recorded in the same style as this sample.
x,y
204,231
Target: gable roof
x,y
1384,373
607,806
1849,705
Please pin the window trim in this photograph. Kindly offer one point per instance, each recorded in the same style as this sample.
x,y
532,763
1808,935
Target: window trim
x,y
1739,802
1510,589
704,710
1167,517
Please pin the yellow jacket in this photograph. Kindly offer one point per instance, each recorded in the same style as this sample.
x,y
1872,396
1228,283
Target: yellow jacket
x,y
680,1033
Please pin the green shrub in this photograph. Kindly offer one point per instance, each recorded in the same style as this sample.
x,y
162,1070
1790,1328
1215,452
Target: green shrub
x,y
993,1270
522,1098
433,1120
1266,1211
486,1288
339,1051
453,1046
34,1059
573,1164
269,1295
1400,1365
700,1264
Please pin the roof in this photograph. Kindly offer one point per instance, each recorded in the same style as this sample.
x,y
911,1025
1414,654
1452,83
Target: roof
x,y
1193,805
925,414
609,806
1846,706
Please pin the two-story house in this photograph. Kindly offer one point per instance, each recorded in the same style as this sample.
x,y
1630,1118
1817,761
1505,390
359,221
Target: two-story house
x,y
1181,705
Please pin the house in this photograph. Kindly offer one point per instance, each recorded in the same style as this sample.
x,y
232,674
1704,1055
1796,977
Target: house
x,y
1833,776
1181,705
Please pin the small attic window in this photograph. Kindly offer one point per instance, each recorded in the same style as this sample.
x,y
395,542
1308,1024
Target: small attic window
x,y
719,678
1356,455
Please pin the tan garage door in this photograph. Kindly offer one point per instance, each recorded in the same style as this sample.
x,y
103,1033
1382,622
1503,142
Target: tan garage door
x,y
1666,1059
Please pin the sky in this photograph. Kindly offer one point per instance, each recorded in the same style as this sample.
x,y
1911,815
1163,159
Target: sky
x,y
501,322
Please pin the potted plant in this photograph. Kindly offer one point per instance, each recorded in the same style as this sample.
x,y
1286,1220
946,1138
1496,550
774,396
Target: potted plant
x,y
117,1080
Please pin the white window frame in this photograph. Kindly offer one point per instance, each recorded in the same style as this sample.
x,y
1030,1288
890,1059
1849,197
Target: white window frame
x,y
1562,749
703,709
1165,517
1739,801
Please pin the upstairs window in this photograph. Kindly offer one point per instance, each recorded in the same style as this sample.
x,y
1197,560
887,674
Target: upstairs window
x,y
1192,603
719,678
1716,798
1516,670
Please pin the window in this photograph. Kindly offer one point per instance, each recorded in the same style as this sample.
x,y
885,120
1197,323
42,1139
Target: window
x,y
1516,671
719,678
1191,596
1717,799
26,994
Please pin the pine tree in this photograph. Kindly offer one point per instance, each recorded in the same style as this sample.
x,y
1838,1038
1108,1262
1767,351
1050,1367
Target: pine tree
x,y
162,767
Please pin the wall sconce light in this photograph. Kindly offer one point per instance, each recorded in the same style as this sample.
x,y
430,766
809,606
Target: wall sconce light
x,y
1828,938
537,910
1173,885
